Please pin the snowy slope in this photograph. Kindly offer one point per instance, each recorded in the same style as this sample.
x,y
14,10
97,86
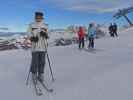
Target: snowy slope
x,y
80,75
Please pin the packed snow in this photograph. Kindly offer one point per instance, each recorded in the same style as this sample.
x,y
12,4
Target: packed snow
x,y
104,74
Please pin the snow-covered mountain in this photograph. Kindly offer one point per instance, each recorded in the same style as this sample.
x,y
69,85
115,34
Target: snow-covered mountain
x,y
7,34
105,74
58,37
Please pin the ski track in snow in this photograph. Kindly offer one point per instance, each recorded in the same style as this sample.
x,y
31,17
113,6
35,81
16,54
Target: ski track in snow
x,y
80,75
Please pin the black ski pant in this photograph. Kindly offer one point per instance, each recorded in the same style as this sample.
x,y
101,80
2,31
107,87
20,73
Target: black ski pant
x,y
81,43
91,42
38,62
111,33
115,33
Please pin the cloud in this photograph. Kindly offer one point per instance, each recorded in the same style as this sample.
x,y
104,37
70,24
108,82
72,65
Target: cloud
x,y
101,6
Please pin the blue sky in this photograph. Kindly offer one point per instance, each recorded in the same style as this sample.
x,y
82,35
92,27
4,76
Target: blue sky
x,y
17,14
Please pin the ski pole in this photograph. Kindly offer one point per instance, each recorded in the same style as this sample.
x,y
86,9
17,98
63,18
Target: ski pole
x,y
27,79
49,63
50,67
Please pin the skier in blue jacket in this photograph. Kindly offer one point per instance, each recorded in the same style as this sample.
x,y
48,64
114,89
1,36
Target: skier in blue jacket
x,y
91,35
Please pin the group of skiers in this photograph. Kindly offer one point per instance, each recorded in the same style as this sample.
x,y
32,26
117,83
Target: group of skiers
x,y
91,34
113,28
38,35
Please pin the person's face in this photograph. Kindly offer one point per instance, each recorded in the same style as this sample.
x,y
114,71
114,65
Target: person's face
x,y
39,19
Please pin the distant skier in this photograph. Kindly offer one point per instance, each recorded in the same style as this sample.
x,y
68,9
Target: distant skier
x,y
111,30
91,35
38,34
81,36
115,29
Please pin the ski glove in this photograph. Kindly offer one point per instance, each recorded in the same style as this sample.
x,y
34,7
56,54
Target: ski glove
x,y
34,39
44,34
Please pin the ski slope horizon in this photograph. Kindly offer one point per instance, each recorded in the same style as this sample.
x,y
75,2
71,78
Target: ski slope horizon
x,y
105,74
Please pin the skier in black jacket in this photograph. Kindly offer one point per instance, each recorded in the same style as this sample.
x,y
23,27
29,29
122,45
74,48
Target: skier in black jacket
x,y
111,32
115,29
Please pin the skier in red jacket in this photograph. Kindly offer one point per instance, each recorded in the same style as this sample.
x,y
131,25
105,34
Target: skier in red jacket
x,y
81,35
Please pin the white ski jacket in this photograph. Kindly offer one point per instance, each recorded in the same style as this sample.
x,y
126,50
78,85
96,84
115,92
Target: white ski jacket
x,y
34,30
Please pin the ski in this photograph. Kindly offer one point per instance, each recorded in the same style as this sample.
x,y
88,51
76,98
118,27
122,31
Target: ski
x,y
90,50
37,89
45,87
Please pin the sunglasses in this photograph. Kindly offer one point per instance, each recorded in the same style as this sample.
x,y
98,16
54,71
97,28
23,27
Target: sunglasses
x,y
39,18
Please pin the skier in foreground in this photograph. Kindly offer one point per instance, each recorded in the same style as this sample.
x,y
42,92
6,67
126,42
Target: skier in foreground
x,y
38,35
81,36
91,35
